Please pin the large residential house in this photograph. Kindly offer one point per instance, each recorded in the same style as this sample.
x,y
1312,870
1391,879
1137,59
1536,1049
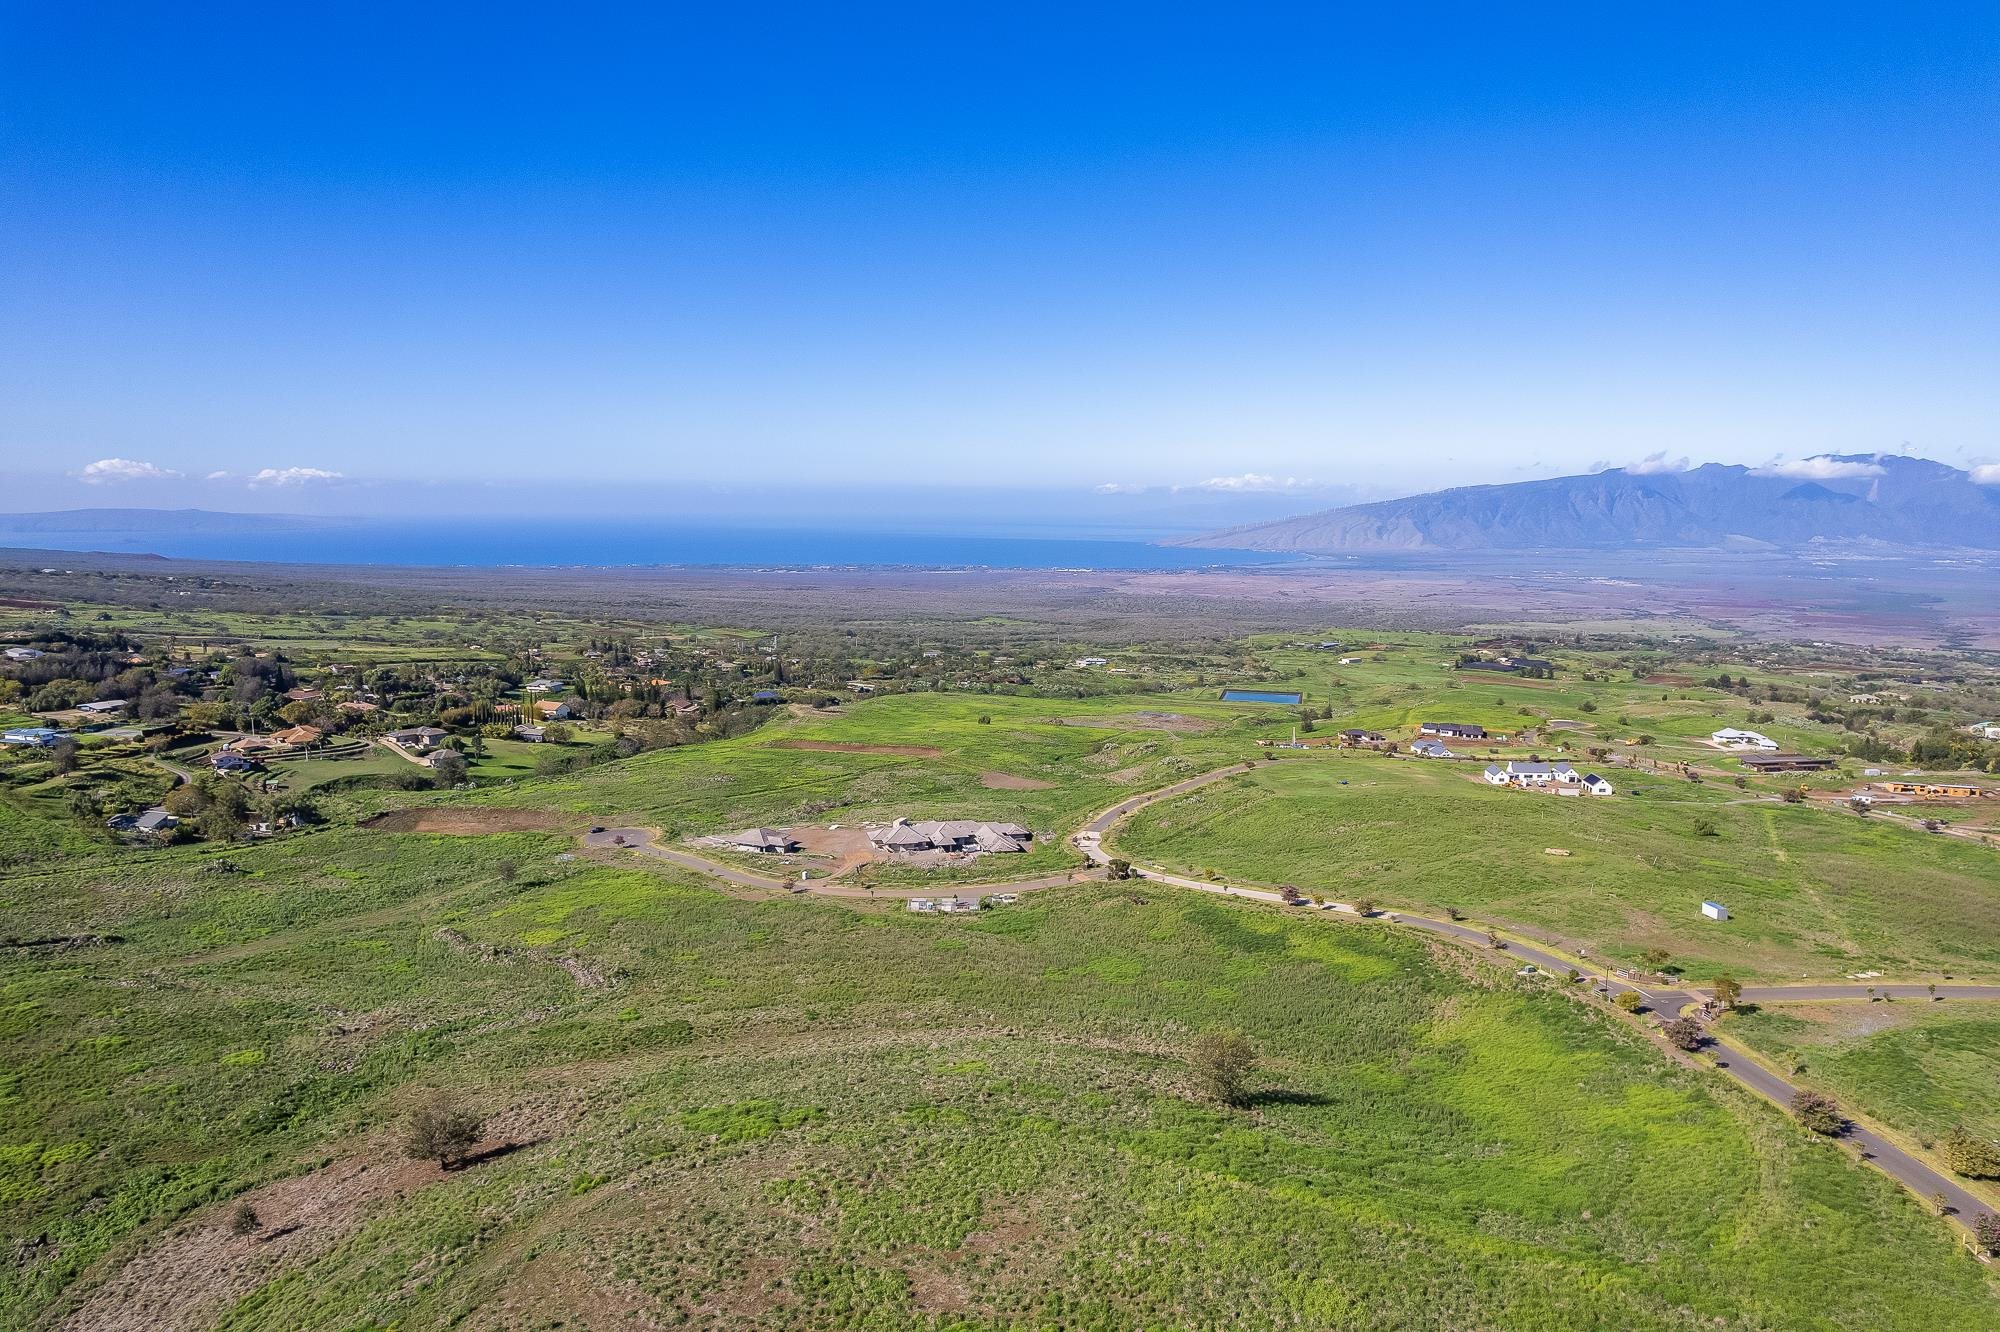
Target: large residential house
x,y
104,707
23,653
1429,749
1453,730
549,709
1543,776
35,737
1729,737
230,760
764,841
1533,774
957,835
417,739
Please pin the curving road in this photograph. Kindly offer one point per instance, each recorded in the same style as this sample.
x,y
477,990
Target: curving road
x,y
1664,1001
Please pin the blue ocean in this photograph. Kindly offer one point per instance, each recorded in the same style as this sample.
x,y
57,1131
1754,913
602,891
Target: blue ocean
x,y
570,542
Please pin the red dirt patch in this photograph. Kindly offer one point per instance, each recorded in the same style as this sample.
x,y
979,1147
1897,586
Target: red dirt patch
x,y
1007,781
840,747
468,822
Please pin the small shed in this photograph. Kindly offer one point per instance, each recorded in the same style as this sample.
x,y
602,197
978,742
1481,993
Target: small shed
x,y
1715,911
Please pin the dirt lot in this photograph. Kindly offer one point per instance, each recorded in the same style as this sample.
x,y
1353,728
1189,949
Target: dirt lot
x,y
1007,781
838,747
466,822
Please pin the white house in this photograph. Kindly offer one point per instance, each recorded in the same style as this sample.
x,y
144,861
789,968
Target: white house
x,y
1595,785
38,737
1715,911
1091,661
1729,737
23,653
1533,774
1429,749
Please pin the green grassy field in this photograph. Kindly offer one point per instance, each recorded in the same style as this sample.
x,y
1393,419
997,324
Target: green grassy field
x,y
796,1114
1920,1068
758,779
1811,891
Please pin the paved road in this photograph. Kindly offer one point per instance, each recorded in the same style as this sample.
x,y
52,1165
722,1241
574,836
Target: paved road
x,y
1665,1002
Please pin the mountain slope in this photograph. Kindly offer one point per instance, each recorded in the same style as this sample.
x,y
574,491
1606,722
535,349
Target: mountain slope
x,y
1905,501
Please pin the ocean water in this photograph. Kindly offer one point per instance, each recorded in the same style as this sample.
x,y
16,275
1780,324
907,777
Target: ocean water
x,y
486,543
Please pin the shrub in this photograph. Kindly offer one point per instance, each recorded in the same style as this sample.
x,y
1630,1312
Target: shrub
x,y
1629,1000
1684,1032
1818,1112
1365,906
1974,1158
244,1220
1728,991
1705,827
1986,1233
1223,1060
440,1130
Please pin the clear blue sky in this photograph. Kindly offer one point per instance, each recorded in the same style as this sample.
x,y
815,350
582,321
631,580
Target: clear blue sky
x,y
998,245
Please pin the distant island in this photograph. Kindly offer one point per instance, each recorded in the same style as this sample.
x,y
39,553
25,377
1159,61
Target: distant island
x,y
1832,498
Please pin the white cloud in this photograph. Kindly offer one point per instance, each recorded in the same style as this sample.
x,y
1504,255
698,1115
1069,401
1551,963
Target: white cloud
x,y
1986,474
1254,482
107,471
217,476
1655,463
1820,467
1122,488
292,476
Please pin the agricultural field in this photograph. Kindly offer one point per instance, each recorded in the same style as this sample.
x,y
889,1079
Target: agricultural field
x,y
1921,1069
798,1113
1812,892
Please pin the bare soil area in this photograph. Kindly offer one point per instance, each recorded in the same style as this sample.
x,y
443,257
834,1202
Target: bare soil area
x,y
842,747
1007,781
467,822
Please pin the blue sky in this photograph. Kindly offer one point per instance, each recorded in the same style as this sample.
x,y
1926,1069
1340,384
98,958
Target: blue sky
x,y
490,252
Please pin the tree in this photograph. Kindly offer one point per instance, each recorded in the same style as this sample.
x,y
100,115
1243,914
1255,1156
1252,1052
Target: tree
x,y
1728,991
449,765
506,870
1986,1233
1454,913
1655,958
1705,827
1818,1112
1223,1060
440,1130
244,1220
1629,1000
1119,869
62,759
1792,795
1364,906
1684,1032
1974,1158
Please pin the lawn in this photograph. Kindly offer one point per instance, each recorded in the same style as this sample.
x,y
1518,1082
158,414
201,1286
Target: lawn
x,y
1812,892
795,1114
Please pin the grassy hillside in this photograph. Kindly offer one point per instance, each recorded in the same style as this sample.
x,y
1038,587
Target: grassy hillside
x,y
1811,891
1078,756
797,1114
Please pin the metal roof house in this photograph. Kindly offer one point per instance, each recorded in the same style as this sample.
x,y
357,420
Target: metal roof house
x,y
764,841
1453,730
1533,774
1429,749
37,737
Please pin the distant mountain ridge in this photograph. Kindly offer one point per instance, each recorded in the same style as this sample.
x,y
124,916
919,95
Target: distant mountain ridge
x,y
1834,497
